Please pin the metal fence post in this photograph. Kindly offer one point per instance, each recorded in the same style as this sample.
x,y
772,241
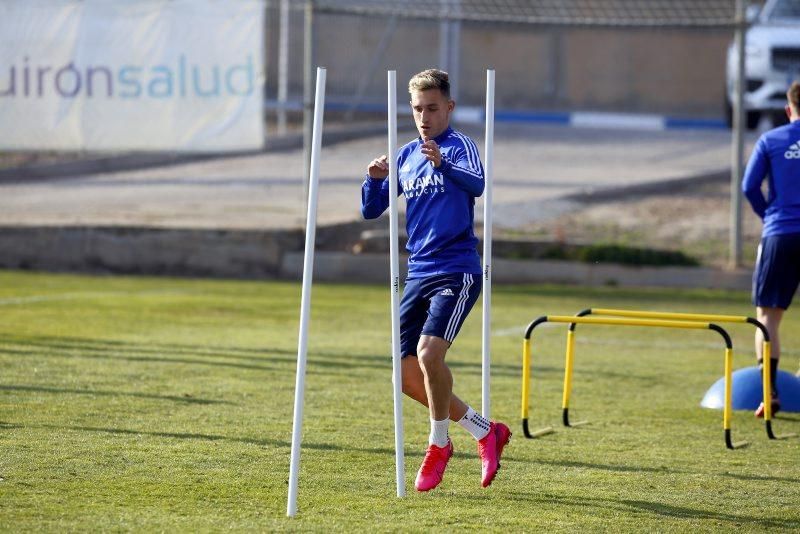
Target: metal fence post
x,y
308,81
735,257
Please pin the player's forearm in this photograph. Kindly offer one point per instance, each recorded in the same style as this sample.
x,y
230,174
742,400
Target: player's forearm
x,y
754,175
373,200
751,187
757,201
470,181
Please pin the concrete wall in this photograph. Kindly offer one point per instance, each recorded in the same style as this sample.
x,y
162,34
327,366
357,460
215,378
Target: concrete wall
x,y
374,268
674,71
238,254
279,255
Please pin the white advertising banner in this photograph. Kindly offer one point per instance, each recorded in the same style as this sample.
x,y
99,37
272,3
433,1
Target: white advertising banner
x,y
112,75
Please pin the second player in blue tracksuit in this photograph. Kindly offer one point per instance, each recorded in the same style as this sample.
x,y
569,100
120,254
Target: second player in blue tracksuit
x,y
776,161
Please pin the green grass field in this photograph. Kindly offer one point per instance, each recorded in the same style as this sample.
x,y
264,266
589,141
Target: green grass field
x,y
157,404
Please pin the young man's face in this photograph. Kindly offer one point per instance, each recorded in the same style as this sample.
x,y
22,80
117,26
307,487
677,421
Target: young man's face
x,y
431,112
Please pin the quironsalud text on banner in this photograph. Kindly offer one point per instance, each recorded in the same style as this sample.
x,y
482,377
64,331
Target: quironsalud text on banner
x,y
183,75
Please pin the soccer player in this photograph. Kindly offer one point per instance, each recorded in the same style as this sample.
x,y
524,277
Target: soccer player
x,y
440,174
776,158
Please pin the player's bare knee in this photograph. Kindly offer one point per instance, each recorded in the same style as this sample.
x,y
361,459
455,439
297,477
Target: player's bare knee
x,y
429,358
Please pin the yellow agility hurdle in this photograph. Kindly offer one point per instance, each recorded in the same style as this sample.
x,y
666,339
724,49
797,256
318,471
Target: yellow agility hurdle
x,y
702,317
618,321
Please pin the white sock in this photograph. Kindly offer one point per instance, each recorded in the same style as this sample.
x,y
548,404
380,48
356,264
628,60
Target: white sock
x,y
439,436
475,423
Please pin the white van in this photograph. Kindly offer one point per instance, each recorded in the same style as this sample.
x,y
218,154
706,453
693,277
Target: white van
x,y
772,61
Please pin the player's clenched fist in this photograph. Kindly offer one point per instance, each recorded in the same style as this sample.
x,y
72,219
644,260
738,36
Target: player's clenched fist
x,y
378,168
431,151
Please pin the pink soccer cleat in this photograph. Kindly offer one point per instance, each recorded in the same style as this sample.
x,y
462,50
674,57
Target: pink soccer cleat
x,y
490,448
432,469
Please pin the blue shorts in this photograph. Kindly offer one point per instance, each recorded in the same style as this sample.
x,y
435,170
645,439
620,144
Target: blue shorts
x,y
436,306
777,271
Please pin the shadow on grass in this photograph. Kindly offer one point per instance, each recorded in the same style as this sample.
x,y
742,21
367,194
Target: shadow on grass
x,y
92,392
139,351
262,442
644,469
115,357
761,478
264,358
682,512
657,509
613,468
189,436
5,424
155,353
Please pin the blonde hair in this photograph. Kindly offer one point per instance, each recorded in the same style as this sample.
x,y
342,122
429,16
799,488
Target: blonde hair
x,y
793,96
430,79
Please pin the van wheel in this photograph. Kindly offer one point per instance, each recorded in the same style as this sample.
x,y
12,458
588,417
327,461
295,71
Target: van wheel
x,y
751,118
728,113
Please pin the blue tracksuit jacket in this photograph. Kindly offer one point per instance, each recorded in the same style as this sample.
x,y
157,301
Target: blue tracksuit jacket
x,y
776,157
440,205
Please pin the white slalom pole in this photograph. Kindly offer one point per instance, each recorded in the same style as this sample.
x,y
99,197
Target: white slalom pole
x,y
305,306
487,246
394,287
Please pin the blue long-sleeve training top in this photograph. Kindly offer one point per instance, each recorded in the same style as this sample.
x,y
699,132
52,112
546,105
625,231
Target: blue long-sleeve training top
x,y
440,204
776,158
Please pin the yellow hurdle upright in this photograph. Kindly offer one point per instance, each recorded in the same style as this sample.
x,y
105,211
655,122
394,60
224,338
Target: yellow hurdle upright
x,y
702,317
617,321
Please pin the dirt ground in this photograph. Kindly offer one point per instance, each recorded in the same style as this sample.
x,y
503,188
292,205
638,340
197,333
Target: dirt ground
x,y
695,220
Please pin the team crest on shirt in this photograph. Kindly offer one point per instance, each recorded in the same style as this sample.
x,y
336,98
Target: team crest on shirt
x,y
793,152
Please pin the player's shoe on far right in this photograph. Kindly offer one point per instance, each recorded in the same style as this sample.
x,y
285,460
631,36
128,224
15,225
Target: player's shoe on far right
x,y
490,448
776,407
432,469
